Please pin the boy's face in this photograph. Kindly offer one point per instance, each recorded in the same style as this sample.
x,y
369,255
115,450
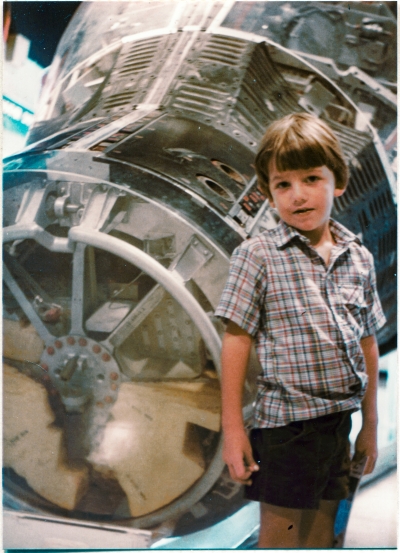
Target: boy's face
x,y
303,197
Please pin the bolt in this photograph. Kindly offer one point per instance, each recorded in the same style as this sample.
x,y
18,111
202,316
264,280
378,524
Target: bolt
x,y
106,357
82,342
45,366
114,387
71,340
51,351
69,368
100,404
114,376
96,348
108,399
58,344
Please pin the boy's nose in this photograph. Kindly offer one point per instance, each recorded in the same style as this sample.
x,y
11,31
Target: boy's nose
x,y
299,194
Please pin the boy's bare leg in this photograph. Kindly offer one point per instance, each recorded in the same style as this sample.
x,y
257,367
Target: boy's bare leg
x,y
291,528
317,526
280,526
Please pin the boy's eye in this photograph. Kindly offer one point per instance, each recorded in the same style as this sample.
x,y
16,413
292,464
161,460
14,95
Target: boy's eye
x,y
283,184
312,178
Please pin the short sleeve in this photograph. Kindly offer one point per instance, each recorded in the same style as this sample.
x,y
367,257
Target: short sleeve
x,y
374,318
242,297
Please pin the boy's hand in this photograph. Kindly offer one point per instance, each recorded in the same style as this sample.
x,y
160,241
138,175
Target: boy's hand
x,y
237,454
366,446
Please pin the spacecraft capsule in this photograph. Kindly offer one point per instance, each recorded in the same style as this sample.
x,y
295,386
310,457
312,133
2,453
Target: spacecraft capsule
x,y
120,218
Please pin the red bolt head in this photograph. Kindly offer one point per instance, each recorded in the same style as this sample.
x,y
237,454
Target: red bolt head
x,y
114,386
114,376
82,342
108,399
51,350
71,340
99,404
45,366
58,344
106,357
96,348
46,377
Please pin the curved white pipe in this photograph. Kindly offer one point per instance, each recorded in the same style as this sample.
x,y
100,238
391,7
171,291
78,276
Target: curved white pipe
x,y
170,281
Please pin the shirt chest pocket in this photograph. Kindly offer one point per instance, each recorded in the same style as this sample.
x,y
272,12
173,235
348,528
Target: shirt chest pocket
x,y
352,297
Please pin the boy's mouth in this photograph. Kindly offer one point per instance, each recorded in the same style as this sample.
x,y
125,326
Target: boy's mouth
x,y
304,210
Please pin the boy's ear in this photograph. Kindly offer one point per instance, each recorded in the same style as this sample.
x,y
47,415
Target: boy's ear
x,y
339,192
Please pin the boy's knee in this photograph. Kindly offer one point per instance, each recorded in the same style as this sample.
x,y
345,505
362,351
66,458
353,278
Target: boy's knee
x,y
280,526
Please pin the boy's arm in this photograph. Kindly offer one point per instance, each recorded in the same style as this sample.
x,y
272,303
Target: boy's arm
x,y
366,443
237,454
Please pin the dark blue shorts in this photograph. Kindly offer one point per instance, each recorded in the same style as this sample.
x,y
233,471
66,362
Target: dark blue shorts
x,y
302,463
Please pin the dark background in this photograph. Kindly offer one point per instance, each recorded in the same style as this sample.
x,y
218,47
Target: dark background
x,y
42,23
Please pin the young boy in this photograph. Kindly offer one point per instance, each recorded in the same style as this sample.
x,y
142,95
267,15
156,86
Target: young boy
x,y
305,292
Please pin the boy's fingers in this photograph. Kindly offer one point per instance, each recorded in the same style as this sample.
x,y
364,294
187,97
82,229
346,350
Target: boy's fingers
x,y
245,480
239,472
252,468
236,478
370,464
369,467
251,465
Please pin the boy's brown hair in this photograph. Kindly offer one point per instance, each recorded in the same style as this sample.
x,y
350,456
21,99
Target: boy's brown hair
x,y
300,141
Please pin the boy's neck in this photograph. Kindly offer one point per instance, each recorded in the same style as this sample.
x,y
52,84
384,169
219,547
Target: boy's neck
x,y
322,240
319,236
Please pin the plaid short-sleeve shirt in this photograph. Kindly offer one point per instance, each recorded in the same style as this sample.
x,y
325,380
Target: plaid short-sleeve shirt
x,y
307,320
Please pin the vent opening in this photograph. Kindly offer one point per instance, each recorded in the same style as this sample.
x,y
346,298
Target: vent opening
x,y
217,188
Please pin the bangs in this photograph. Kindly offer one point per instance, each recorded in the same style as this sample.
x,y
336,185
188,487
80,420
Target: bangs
x,y
291,158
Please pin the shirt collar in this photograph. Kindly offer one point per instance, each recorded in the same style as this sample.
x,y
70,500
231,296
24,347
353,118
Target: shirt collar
x,y
282,234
